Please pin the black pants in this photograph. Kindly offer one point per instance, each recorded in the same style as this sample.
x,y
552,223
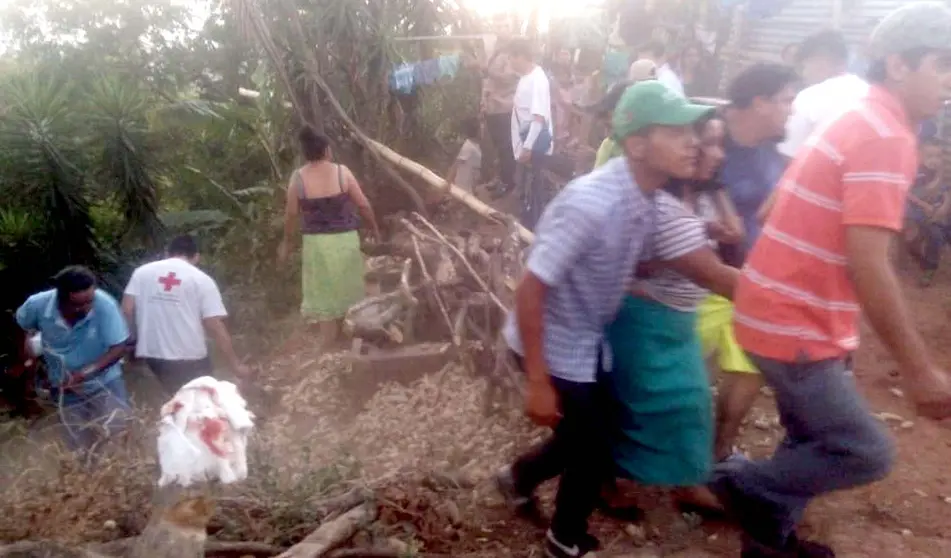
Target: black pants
x,y
173,374
533,187
579,450
499,127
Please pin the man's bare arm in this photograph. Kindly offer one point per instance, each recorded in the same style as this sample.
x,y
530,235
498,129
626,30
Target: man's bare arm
x,y
529,312
704,268
879,294
219,332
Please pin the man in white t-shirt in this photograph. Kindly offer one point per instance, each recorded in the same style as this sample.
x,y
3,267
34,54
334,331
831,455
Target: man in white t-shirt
x,y
656,52
823,60
532,129
169,305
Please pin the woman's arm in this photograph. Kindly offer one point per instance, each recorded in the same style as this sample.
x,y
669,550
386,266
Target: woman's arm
x,y
704,268
363,204
728,217
291,213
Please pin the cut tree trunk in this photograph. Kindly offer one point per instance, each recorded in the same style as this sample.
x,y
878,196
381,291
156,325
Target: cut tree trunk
x,y
177,527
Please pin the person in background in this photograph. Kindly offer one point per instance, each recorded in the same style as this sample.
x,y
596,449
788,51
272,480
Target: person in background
x,y
321,195
927,227
169,305
84,338
561,76
760,98
467,168
532,132
823,60
641,70
822,262
697,71
578,270
656,52
498,90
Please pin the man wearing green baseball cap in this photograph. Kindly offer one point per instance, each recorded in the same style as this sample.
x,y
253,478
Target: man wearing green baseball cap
x,y
822,261
587,245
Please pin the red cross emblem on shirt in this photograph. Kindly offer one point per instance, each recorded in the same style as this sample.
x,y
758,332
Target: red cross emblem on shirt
x,y
170,281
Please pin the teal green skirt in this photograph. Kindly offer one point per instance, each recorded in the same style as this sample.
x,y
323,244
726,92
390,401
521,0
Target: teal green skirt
x,y
664,402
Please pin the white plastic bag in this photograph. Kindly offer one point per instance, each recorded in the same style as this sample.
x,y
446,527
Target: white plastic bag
x,y
203,434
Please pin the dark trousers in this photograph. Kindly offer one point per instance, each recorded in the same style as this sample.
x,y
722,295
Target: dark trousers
x,y
579,450
499,127
533,187
833,442
173,374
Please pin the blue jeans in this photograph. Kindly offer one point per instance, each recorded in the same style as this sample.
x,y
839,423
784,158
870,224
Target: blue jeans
x,y
833,442
88,419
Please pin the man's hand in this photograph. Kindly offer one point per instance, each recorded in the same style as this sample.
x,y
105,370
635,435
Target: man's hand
x,y
720,232
525,156
541,402
931,394
73,380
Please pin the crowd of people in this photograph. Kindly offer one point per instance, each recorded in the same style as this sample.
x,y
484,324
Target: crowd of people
x,y
760,232
757,233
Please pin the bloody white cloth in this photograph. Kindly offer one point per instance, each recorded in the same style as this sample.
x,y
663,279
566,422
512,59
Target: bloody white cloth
x,y
203,434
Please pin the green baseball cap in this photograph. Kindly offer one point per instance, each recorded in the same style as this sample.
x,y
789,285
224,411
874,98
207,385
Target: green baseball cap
x,y
651,103
912,26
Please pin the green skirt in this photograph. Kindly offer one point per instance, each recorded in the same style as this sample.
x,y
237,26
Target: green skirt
x,y
664,403
331,275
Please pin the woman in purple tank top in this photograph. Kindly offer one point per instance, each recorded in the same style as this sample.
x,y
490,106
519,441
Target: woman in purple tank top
x,y
323,201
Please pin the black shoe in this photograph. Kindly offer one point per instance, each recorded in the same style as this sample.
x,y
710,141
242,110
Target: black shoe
x,y
524,506
794,548
555,548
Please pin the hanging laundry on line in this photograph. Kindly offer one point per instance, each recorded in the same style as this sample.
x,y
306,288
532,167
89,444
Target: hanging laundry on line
x,y
408,76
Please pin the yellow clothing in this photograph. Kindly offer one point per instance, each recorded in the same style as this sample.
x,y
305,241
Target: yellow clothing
x,y
608,150
715,326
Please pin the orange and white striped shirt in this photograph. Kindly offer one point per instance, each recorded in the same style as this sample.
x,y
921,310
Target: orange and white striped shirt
x,y
795,299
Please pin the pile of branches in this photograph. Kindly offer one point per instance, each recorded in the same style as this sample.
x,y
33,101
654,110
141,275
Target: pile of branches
x,y
454,288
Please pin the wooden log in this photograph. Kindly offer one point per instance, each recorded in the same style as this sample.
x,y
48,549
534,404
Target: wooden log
x,y
332,534
457,193
177,527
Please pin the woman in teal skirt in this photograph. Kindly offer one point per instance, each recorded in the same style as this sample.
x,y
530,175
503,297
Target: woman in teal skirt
x,y
324,198
658,378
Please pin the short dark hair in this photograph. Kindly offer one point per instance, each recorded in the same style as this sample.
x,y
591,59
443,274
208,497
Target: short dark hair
x,y
72,279
470,127
313,144
877,73
764,80
520,47
656,48
929,139
829,43
183,245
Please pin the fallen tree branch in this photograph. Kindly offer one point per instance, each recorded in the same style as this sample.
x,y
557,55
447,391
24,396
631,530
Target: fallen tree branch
x,y
456,341
332,534
457,193
462,257
346,501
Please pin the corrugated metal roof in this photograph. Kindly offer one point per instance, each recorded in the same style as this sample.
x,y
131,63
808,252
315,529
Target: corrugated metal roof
x,y
764,40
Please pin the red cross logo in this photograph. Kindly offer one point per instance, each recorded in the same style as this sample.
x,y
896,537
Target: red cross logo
x,y
170,281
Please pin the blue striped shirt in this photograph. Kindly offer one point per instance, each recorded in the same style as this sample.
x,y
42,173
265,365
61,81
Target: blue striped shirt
x,y
586,247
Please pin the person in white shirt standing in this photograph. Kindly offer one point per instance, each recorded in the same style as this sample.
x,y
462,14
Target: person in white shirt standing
x,y
823,61
169,304
532,129
656,52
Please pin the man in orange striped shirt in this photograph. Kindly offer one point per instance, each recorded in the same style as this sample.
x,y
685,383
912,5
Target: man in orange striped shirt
x,y
822,258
